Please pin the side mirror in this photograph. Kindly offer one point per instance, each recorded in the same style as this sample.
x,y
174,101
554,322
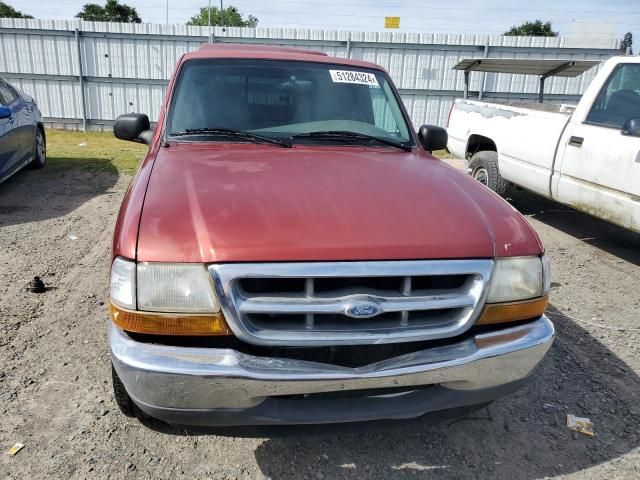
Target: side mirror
x,y
5,112
432,137
631,127
134,127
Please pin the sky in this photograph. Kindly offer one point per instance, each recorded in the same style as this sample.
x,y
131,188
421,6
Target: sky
x,y
454,16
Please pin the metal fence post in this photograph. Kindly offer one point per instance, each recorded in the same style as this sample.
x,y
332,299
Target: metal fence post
x,y
349,46
81,78
484,74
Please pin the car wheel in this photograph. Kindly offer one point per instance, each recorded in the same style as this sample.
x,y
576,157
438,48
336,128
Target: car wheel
x,y
40,158
484,168
125,404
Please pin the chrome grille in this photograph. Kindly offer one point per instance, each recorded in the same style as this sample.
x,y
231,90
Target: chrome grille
x,y
337,303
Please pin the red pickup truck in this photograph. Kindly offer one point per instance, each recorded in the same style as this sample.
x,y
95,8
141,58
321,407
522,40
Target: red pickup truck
x,y
289,252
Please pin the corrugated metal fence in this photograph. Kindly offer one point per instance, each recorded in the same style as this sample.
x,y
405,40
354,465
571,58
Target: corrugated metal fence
x,y
91,72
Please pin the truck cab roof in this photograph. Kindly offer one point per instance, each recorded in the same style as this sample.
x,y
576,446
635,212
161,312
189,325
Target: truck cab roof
x,y
259,48
268,52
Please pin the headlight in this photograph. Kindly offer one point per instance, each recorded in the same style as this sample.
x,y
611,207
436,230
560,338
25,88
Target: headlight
x,y
178,287
519,290
546,275
123,283
519,278
164,299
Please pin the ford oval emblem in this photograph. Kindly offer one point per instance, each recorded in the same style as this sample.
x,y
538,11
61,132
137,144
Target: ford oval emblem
x,y
363,310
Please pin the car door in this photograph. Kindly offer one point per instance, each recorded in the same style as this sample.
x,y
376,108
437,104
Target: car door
x,y
600,166
9,137
23,123
28,126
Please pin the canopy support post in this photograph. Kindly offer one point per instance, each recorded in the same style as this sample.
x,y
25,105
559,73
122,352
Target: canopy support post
x,y
466,77
551,73
466,84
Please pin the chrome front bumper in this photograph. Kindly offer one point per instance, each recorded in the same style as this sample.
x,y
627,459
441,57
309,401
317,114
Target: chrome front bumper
x,y
207,386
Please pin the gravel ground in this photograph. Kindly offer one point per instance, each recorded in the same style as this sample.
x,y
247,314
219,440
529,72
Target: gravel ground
x,y
55,391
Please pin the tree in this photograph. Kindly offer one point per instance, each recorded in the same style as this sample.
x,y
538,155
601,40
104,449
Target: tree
x,y
111,12
7,11
533,29
230,18
627,42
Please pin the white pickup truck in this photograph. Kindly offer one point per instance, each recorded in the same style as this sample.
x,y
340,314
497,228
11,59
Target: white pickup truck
x,y
586,156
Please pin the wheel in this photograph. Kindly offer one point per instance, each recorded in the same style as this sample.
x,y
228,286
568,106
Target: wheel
x,y
40,158
125,404
484,168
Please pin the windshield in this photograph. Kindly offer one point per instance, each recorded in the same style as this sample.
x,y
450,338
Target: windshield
x,y
283,99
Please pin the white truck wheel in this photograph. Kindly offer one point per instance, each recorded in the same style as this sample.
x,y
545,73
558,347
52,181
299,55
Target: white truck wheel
x,y
484,168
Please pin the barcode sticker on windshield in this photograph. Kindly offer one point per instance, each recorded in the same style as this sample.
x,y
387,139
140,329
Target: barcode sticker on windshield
x,y
360,78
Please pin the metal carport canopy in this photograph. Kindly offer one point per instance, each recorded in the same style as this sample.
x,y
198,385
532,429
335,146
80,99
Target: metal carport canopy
x,y
544,68
526,66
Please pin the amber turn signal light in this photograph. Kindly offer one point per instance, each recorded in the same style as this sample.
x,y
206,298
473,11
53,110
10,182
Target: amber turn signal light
x,y
513,311
167,323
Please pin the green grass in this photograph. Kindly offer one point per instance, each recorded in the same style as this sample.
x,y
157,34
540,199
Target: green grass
x,y
97,151
442,154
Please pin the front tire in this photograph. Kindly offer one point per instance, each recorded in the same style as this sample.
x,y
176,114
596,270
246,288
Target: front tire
x,y
40,158
484,168
123,400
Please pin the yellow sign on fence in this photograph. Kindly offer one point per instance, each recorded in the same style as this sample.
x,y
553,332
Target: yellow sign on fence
x,y
391,22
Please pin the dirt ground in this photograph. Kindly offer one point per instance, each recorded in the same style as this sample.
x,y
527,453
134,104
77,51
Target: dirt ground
x,y
55,389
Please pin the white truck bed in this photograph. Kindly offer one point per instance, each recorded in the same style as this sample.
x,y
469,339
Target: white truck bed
x,y
528,136
586,156
542,107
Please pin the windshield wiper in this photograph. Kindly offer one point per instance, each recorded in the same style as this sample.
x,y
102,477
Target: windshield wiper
x,y
229,132
345,134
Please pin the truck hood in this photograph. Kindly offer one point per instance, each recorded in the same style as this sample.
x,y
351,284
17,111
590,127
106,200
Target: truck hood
x,y
247,202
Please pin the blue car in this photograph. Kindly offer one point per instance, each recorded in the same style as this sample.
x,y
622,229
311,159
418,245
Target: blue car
x,y
22,139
